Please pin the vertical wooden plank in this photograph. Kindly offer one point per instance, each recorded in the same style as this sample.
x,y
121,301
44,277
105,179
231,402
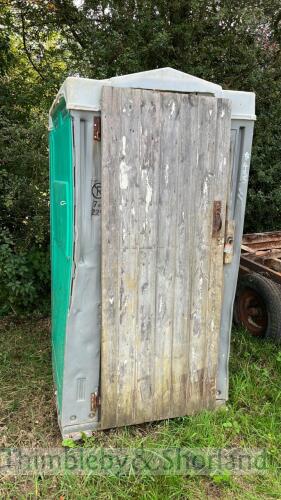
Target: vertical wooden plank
x,y
200,259
111,103
165,277
219,191
126,354
147,232
184,241
128,253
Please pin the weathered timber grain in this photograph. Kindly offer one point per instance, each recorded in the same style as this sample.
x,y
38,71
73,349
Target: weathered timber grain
x,y
165,160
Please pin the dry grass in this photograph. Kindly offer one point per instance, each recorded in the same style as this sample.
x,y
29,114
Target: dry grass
x,y
27,406
252,418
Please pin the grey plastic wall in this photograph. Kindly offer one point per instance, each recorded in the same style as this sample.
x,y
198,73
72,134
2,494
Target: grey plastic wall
x,y
82,349
241,145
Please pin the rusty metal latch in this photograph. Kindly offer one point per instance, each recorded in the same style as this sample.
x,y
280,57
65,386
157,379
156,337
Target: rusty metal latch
x,y
95,402
229,240
97,128
217,221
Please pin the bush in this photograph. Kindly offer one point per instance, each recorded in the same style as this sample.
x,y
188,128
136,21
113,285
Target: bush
x,y
24,278
24,241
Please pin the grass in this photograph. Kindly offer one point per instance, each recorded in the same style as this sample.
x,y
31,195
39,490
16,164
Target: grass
x,y
252,418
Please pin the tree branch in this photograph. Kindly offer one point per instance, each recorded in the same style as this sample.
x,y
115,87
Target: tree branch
x,y
69,16
25,46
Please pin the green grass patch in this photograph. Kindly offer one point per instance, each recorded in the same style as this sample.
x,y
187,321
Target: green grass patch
x,y
251,419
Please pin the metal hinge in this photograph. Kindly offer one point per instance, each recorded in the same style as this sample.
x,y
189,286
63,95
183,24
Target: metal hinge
x,y
217,221
229,241
95,402
97,128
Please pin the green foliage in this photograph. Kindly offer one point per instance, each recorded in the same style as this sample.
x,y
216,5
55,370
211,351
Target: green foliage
x,y
23,276
68,443
233,43
264,196
24,241
25,95
222,479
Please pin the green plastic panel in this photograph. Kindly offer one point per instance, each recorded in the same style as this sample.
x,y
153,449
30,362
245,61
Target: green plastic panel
x,y
61,186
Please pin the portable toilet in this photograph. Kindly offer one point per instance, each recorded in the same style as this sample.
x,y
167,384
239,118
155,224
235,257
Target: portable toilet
x,y
148,175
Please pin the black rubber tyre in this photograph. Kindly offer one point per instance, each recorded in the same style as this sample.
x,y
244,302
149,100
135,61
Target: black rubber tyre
x,y
257,306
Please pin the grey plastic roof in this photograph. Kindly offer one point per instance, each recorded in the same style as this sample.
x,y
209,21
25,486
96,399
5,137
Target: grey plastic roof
x,y
166,79
85,94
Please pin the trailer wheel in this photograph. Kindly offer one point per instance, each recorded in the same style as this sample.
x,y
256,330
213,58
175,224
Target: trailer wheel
x,y
257,306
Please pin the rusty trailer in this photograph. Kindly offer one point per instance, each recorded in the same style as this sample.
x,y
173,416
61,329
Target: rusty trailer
x,y
258,296
261,253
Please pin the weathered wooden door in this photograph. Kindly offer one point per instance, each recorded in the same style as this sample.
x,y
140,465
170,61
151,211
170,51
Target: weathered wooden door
x,y
165,171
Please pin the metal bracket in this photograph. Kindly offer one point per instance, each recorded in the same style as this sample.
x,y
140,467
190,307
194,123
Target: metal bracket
x,y
95,402
217,221
229,241
97,128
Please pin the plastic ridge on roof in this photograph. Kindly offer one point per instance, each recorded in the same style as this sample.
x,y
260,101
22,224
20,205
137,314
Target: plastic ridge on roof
x,y
85,93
